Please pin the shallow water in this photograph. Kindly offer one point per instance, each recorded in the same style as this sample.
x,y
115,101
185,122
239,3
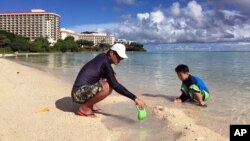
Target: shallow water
x,y
123,117
152,76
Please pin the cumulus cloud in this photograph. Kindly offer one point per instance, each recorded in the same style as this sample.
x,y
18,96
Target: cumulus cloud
x,y
125,1
94,27
175,9
191,23
143,16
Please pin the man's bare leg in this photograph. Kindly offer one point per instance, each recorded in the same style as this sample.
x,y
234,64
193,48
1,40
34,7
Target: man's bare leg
x,y
86,108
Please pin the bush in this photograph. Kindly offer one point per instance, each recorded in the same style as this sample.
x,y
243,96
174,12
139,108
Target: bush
x,y
84,43
104,46
40,45
7,50
20,44
135,47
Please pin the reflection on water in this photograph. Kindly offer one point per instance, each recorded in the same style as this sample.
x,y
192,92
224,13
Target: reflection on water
x,y
226,74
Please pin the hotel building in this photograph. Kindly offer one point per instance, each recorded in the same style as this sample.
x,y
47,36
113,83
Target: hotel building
x,y
66,32
124,41
37,23
97,37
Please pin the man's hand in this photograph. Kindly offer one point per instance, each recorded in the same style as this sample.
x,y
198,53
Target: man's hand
x,y
140,103
177,100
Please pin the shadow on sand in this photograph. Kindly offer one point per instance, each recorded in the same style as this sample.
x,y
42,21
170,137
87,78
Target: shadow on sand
x,y
167,97
67,105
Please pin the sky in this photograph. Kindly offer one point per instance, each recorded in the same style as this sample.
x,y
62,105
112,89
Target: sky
x,y
150,21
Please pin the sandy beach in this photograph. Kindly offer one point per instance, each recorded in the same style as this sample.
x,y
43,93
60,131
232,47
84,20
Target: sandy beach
x,y
35,105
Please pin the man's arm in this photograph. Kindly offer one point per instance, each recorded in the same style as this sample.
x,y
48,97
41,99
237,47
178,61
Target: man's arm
x,y
109,74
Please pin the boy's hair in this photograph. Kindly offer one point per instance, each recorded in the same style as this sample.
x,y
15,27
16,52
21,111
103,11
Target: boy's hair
x,y
182,68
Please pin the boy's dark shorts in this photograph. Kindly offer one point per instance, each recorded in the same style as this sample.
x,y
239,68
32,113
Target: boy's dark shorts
x,y
85,92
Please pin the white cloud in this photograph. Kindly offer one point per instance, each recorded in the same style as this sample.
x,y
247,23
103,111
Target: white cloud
x,y
154,16
94,27
143,16
194,10
157,16
175,9
125,1
190,23
245,3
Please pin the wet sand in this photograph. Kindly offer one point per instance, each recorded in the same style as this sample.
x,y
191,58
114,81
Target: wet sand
x,y
35,105
122,116
187,128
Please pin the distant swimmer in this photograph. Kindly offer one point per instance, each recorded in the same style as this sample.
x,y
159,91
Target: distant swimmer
x,y
192,88
97,79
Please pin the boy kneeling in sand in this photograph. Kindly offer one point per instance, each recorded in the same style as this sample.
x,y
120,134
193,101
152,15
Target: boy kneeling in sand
x,y
192,87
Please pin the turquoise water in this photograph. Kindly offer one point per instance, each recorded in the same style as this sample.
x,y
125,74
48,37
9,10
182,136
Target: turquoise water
x,y
151,76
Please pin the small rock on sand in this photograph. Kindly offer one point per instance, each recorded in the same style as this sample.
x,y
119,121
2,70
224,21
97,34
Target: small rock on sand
x,y
199,139
160,108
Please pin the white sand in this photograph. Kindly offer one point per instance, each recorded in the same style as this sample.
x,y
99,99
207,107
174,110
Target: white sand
x,y
23,95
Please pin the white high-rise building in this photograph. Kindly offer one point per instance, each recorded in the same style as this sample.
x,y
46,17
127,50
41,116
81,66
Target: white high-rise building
x,y
97,37
37,23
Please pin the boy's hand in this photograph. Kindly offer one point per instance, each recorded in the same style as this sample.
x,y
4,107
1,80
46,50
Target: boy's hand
x,y
204,105
177,100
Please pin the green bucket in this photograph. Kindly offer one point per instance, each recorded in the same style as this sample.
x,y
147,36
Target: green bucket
x,y
142,113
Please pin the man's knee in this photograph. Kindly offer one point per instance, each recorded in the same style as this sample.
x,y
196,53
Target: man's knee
x,y
106,87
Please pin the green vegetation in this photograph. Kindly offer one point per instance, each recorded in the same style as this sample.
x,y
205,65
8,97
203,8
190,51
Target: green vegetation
x,y
40,45
85,43
104,46
10,43
135,47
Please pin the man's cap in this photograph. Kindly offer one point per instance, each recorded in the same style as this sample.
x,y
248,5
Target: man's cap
x,y
120,49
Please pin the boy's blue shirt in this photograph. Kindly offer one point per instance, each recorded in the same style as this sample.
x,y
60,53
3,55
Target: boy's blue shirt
x,y
197,81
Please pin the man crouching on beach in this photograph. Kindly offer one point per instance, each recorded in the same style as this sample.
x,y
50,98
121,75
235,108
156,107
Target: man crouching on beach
x,y
90,87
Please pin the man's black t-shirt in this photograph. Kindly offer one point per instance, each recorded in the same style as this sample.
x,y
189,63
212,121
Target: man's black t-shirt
x,y
98,68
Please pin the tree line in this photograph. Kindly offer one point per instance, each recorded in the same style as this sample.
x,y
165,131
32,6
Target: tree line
x,y
10,42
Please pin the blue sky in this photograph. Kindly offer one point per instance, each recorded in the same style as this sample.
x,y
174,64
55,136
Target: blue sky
x,y
77,12
150,21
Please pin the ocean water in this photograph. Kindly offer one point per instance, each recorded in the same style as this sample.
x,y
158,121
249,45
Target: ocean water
x,y
151,76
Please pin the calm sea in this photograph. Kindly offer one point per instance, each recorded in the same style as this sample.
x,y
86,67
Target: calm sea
x,y
151,75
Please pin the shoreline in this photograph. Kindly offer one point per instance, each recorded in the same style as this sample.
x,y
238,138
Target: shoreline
x,y
187,127
38,96
45,53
